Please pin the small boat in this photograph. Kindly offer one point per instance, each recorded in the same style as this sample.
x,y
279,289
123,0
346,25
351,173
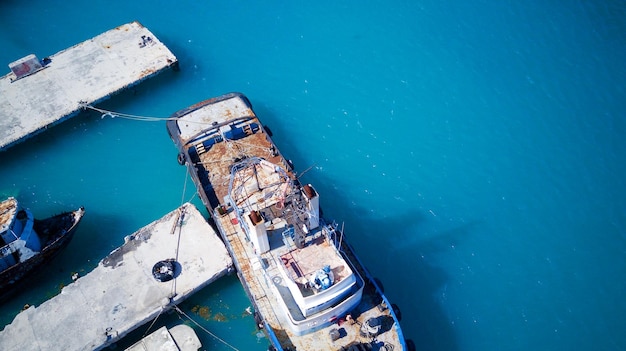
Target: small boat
x,y
27,243
307,286
177,338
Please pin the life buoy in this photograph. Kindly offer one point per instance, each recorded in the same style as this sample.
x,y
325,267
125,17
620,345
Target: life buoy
x,y
163,271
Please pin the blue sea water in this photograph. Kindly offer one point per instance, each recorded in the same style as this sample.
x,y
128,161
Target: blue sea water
x,y
473,150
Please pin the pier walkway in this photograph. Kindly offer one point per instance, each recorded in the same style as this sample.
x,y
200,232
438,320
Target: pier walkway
x,y
41,92
121,293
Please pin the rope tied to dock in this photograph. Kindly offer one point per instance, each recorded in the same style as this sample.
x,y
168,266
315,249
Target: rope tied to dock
x,y
113,114
204,329
152,324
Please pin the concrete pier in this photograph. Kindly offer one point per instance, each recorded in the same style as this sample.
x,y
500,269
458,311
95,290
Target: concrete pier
x,y
178,338
41,92
121,293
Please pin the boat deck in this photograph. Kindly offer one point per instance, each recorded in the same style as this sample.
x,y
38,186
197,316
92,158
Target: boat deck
x,y
264,285
301,264
86,73
121,294
218,135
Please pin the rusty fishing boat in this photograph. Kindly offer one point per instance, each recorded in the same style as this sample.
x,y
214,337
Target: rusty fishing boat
x,y
308,288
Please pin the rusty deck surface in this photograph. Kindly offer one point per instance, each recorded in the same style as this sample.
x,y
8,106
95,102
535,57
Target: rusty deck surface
x,y
86,73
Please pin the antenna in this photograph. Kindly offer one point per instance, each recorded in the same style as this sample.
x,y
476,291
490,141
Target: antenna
x,y
341,236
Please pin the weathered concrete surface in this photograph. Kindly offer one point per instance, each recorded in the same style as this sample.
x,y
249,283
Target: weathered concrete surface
x,y
121,294
178,338
88,72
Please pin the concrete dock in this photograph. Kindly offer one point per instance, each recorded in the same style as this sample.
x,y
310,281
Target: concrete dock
x,y
178,338
40,92
121,293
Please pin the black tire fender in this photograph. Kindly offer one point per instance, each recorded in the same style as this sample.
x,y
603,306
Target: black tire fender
x,y
163,271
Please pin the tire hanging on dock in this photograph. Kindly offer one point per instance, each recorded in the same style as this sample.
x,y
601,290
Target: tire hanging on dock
x,y
163,271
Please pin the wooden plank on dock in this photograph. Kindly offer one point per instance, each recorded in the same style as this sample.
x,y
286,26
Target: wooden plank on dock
x,y
40,93
122,294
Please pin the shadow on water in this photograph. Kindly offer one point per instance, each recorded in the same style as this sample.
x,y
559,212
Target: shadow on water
x,y
393,248
410,281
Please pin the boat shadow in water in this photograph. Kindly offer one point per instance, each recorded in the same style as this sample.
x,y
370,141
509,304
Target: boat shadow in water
x,y
401,257
419,290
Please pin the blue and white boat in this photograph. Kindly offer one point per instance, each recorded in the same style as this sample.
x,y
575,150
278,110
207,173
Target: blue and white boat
x,y
308,288
27,243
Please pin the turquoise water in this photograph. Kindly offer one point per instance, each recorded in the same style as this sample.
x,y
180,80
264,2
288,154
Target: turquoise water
x,y
473,150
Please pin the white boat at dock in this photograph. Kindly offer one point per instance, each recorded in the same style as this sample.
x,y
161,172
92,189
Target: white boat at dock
x,y
308,288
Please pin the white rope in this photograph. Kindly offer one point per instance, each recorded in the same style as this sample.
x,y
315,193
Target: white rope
x,y
204,329
179,225
151,324
112,114
182,199
106,113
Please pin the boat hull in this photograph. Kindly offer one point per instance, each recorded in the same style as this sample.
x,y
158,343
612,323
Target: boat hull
x,y
339,327
57,231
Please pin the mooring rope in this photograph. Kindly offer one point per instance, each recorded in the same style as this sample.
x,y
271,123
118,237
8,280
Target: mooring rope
x,y
113,114
204,329
179,225
179,220
182,199
151,324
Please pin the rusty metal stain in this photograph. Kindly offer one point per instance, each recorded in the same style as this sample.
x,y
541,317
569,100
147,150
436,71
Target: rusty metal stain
x,y
146,73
